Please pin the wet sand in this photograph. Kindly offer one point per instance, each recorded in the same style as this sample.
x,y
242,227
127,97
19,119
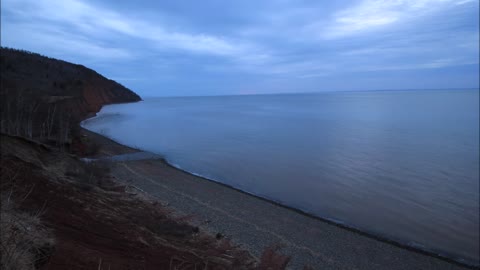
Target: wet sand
x,y
256,223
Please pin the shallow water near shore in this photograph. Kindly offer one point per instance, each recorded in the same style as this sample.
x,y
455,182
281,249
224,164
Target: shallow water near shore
x,y
401,164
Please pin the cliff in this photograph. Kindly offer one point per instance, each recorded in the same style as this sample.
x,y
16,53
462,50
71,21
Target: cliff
x,y
42,88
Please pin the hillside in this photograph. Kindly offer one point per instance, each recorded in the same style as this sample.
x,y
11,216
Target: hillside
x,y
41,96
78,217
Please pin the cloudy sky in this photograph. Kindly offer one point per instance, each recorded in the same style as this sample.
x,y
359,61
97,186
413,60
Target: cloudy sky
x,y
217,47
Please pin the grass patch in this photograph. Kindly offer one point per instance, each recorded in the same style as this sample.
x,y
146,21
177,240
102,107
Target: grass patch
x,y
25,242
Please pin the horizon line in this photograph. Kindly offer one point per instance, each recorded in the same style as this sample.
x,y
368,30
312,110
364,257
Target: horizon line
x,y
313,92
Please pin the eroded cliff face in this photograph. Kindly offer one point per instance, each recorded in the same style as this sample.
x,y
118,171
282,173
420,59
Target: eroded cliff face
x,y
45,97
32,80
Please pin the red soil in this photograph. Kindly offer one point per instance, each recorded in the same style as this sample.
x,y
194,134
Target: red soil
x,y
100,229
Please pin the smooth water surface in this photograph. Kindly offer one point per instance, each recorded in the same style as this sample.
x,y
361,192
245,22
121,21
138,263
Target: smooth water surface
x,y
401,164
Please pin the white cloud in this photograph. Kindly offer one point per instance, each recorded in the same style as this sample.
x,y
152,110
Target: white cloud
x,y
461,2
98,22
433,64
60,43
371,15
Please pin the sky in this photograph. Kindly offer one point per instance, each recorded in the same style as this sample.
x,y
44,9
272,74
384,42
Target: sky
x,y
217,47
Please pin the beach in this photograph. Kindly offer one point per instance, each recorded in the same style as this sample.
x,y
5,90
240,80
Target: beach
x,y
256,223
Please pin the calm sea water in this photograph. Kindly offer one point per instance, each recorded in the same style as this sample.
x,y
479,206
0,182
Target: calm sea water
x,y
401,164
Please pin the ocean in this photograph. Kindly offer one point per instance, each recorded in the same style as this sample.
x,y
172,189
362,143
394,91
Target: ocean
x,y
403,165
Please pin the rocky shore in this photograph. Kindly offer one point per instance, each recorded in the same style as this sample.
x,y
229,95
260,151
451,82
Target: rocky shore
x,y
256,223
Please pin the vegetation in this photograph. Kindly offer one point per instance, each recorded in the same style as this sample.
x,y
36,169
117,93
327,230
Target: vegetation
x,y
45,98
25,241
66,214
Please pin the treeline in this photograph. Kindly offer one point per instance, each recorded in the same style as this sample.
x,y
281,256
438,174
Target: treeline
x,y
7,49
46,98
28,107
27,115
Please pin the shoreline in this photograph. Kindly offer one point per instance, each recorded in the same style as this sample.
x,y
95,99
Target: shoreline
x,y
339,224
116,148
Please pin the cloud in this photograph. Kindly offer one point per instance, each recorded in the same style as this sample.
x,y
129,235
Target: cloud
x,y
371,15
62,43
97,22
431,64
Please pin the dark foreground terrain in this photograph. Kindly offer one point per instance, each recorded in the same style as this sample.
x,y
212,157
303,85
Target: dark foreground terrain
x,y
90,222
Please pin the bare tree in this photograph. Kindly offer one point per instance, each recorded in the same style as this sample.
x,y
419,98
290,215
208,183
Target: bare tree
x,y
50,120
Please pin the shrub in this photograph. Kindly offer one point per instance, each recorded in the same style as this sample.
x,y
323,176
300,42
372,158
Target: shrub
x,y
94,172
25,242
92,149
272,260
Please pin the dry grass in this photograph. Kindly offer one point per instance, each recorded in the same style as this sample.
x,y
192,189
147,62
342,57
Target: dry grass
x,y
25,242
96,170
272,259
90,174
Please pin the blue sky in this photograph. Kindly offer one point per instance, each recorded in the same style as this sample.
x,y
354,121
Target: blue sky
x,y
177,48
